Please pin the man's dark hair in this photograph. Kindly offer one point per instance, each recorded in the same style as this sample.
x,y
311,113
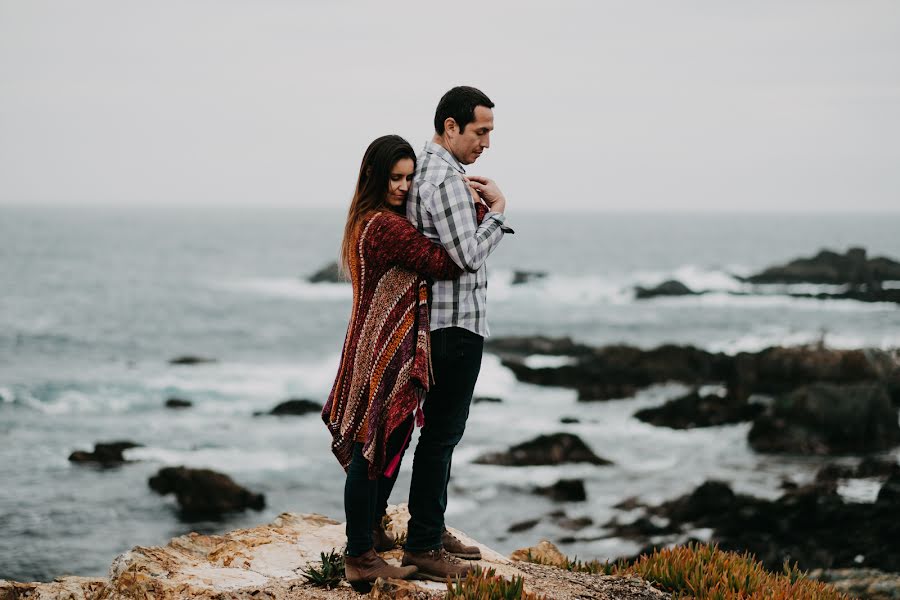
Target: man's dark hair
x,y
459,104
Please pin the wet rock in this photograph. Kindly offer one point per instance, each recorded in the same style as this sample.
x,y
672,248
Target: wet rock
x,y
574,524
293,406
564,490
866,294
606,391
106,454
694,410
177,403
203,493
828,419
486,399
553,449
189,359
569,420
330,273
829,267
889,494
667,288
523,525
865,584
520,277
640,528
536,344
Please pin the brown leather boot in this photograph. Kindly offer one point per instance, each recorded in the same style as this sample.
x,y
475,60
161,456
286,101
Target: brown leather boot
x,y
362,571
436,565
381,539
454,546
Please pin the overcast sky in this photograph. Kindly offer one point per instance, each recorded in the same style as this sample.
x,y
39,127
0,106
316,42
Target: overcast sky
x,y
626,105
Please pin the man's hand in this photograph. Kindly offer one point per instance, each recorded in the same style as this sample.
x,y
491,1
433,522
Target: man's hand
x,y
488,191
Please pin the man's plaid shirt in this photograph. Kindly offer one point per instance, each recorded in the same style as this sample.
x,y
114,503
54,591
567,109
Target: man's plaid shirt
x,y
442,207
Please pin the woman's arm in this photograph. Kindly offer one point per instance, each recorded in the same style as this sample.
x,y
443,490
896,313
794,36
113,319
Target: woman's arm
x,y
394,240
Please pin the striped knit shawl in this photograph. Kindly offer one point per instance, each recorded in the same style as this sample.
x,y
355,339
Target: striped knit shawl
x,y
384,368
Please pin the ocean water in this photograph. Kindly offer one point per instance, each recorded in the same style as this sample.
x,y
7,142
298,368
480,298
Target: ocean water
x,y
96,301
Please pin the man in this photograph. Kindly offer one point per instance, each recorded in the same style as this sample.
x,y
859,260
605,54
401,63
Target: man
x,y
442,206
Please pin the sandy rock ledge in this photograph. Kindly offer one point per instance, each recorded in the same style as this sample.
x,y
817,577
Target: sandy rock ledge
x,y
267,562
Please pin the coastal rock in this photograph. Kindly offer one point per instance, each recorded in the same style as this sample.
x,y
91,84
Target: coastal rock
x,y
544,553
177,403
865,584
829,267
189,359
521,277
828,419
106,454
523,525
203,493
330,273
808,525
606,391
667,288
564,490
269,561
694,410
889,494
294,406
553,449
536,344
486,400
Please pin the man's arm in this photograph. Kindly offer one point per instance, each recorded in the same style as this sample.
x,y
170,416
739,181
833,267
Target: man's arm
x,y
452,211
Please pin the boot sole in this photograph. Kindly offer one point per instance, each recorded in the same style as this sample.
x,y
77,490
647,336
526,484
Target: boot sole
x,y
466,556
362,587
430,577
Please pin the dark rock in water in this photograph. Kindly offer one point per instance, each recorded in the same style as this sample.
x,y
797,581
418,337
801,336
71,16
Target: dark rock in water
x,y
178,403
330,273
828,267
569,420
870,466
642,527
523,525
553,449
108,454
606,391
870,294
889,494
190,360
564,490
294,406
203,493
487,399
520,277
693,410
667,288
575,524
811,525
537,344
828,419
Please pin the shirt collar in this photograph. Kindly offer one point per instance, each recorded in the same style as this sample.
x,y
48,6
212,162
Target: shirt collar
x,y
445,155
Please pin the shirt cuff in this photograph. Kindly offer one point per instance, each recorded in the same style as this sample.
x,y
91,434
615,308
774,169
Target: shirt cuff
x,y
501,218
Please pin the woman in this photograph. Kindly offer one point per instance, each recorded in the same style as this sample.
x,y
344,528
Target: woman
x,y
385,367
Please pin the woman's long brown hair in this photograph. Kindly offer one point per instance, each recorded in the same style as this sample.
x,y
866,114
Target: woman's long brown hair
x,y
372,187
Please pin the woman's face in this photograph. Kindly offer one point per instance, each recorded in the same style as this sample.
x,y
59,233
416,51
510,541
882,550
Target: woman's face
x,y
399,181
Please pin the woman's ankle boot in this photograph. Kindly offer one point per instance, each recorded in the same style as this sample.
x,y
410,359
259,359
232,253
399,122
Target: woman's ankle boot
x,y
381,539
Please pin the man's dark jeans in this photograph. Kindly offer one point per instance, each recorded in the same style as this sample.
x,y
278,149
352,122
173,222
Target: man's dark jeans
x,y
365,500
456,357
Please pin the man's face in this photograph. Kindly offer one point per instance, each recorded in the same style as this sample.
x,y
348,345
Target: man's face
x,y
468,145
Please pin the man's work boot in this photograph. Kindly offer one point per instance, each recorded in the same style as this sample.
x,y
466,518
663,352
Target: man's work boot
x,y
362,571
454,546
381,539
436,565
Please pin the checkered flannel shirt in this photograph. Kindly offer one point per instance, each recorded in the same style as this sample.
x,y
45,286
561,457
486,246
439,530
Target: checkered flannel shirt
x,y
442,207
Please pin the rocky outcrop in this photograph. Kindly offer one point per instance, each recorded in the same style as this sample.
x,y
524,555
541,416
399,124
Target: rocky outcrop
x,y
190,359
828,419
294,406
269,561
865,584
828,267
536,344
812,525
330,273
564,490
694,410
203,493
178,403
666,288
105,454
521,277
553,449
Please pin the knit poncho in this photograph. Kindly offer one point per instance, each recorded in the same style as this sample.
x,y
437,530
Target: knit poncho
x,y
385,364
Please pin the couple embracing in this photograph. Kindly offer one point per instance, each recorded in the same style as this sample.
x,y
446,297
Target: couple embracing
x,y
418,233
